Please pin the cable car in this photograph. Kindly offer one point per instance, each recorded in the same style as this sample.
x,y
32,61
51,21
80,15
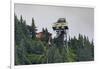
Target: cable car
x,y
61,24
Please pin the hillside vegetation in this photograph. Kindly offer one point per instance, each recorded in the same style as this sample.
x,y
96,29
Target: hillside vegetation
x,y
30,50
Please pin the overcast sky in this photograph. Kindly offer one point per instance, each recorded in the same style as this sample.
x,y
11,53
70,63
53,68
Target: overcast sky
x,y
80,20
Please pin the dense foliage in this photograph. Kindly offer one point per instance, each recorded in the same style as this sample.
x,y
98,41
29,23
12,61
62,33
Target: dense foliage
x,y
30,50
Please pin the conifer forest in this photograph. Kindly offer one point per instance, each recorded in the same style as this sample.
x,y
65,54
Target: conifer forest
x,y
32,47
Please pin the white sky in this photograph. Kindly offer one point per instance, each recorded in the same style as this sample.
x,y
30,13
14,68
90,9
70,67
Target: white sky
x,y
80,20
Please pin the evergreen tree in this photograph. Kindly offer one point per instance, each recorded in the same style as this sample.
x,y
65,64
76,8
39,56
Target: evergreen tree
x,y
21,19
33,29
46,35
43,30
